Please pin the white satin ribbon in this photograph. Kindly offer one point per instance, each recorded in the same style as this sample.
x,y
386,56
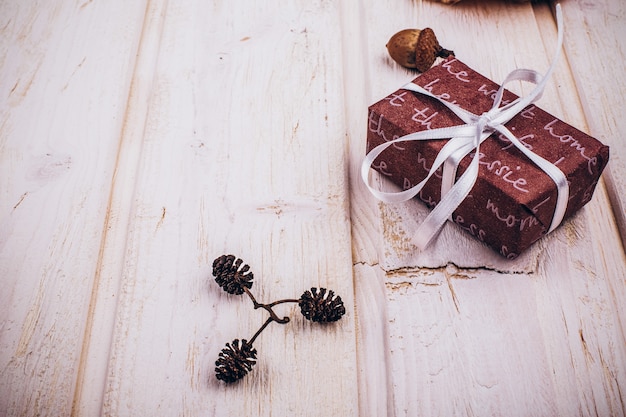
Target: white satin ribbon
x,y
467,138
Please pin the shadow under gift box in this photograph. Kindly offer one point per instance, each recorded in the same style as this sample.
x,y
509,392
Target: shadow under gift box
x,y
512,202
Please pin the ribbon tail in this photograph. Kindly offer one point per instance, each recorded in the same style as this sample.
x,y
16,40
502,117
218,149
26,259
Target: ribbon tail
x,y
434,222
451,165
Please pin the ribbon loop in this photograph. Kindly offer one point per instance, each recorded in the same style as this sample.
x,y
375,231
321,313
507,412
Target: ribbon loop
x,y
465,138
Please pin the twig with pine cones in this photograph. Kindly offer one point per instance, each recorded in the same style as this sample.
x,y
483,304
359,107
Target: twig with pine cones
x,y
239,357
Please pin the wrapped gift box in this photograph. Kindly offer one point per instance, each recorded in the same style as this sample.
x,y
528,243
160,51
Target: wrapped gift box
x,y
512,202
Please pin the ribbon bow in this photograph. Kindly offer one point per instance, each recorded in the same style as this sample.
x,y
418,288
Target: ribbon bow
x,y
466,138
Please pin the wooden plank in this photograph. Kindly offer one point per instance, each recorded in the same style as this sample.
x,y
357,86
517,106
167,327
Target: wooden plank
x,y
469,333
596,50
64,81
92,372
375,389
243,152
227,134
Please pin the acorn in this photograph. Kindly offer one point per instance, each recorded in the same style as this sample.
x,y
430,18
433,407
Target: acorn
x,y
415,48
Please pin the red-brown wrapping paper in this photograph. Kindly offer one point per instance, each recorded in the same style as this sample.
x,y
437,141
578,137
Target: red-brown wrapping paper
x,y
512,203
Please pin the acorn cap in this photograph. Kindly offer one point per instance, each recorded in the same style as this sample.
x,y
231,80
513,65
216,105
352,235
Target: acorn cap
x,y
428,49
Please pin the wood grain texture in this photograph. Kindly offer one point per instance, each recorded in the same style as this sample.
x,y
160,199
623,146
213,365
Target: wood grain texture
x,y
140,141
65,77
238,155
596,50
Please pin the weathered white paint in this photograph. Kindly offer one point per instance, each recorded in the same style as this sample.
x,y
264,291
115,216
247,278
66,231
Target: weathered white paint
x,y
140,141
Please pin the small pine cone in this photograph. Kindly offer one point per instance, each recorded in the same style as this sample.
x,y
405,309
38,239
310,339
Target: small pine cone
x,y
321,306
230,275
235,361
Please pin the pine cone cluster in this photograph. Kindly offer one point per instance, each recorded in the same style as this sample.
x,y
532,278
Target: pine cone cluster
x,y
321,305
235,361
231,276
239,357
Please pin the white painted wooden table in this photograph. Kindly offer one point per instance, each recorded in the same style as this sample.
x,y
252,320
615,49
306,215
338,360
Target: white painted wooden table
x,y
140,140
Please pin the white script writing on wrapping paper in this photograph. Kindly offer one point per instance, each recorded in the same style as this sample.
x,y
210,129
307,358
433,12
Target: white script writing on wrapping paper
x,y
396,100
382,168
528,112
541,203
443,96
375,126
472,228
504,251
428,200
511,220
423,118
504,171
573,143
589,192
423,162
523,140
491,93
459,75
429,87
